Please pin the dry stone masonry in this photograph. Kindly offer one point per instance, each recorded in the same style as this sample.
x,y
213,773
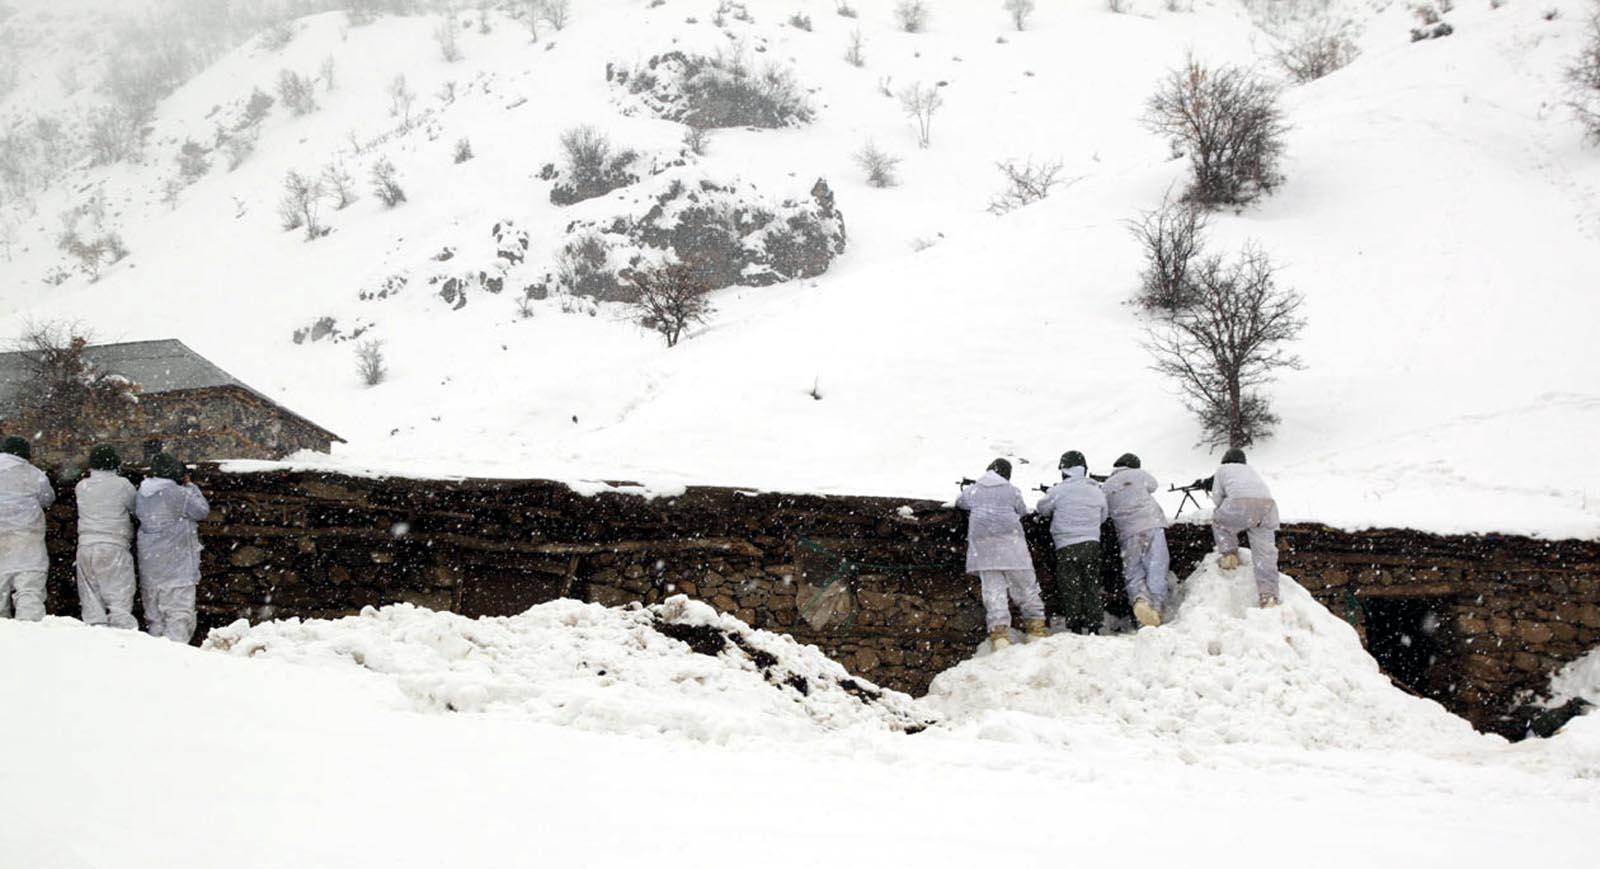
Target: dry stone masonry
x,y
1476,622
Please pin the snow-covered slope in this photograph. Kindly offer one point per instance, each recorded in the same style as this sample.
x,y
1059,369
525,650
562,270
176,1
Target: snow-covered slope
x,y
1440,216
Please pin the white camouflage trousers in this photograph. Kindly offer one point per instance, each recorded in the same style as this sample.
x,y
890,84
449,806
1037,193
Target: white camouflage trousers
x,y
27,587
169,611
1258,518
106,584
1144,566
1000,587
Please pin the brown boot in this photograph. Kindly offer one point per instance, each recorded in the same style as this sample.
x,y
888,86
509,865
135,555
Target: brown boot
x,y
1035,629
1147,615
1228,561
999,637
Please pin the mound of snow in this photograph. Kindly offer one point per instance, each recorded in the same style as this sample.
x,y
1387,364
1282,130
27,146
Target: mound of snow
x,y
677,668
1580,679
1222,671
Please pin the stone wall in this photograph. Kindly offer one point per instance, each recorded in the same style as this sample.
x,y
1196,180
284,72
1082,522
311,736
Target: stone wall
x,y
875,582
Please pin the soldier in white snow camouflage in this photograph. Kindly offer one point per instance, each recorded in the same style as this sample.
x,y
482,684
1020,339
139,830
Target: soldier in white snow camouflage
x,y
105,533
997,551
168,507
25,493
1142,533
1245,504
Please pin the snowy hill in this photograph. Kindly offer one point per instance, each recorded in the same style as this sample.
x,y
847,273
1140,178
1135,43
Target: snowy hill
x,y
1440,215
331,743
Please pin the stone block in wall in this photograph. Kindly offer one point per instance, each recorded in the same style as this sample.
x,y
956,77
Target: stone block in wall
x,y
248,556
1471,624
610,595
438,601
1535,633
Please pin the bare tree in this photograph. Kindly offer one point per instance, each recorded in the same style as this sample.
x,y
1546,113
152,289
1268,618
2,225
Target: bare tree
x,y
302,197
669,299
853,54
463,150
66,399
1584,77
338,185
920,102
878,164
370,363
386,184
1228,120
1173,238
401,96
558,12
1019,10
297,92
445,35
1318,49
1025,183
911,15
1228,343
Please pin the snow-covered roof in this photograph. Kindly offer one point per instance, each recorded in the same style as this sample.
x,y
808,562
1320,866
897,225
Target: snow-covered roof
x,y
158,367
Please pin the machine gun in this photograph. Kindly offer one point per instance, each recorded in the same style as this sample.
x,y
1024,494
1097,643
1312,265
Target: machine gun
x,y
1188,494
965,481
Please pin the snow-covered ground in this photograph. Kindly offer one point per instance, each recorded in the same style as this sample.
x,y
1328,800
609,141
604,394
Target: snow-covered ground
x,y
1440,216
1232,737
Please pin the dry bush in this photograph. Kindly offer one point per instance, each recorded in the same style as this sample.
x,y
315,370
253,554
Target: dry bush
x,y
669,299
1318,50
920,102
878,164
386,184
912,15
1584,78
64,402
1228,121
1173,238
370,364
1025,183
1019,10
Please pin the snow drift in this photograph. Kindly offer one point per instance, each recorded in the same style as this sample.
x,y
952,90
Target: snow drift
x,y
677,668
1222,671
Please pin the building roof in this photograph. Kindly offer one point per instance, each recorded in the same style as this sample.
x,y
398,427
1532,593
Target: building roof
x,y
156,366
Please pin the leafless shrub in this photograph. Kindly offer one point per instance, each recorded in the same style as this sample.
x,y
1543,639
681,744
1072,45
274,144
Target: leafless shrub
x,y
370,364
1025,183
844,9
386,184
297,92
239,145
911,15
112,135
1117,6
1228,120
256,108
878,164
338,185
299,206
1426,13
696,138
68,400
920,102
463,150
1318,50
327,73
668,300
1019,10
192,162
401,97
1228,343
593,167
445,35
1583,76
800,21
1173,238
278,36
853,53
558,13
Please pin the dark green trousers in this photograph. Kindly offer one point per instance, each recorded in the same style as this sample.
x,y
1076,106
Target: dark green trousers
x,y
1078,584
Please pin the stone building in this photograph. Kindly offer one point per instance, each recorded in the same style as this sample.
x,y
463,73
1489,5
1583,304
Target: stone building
x,y
186,405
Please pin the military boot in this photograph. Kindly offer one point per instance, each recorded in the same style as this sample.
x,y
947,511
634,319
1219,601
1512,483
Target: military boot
x,y
1228,560
999,637
1035,629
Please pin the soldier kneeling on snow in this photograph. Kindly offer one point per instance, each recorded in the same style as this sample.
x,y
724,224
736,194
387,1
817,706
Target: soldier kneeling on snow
x,y
997,552
1244,504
